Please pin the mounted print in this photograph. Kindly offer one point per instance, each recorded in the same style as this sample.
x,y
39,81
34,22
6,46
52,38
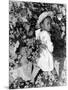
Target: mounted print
x,y
37,44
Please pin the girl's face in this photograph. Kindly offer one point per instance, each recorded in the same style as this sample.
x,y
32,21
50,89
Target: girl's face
x,y
46,24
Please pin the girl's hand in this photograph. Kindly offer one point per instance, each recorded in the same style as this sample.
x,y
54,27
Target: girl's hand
x,y
43,46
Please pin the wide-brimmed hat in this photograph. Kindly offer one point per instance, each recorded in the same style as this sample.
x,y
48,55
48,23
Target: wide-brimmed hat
x,y
44,15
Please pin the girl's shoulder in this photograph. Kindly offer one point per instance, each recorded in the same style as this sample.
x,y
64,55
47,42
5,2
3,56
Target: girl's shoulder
x,y
37,31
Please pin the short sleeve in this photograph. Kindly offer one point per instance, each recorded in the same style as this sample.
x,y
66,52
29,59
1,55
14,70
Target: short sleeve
x,y
37,33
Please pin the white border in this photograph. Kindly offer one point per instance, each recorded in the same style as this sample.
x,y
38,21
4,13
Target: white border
x,y
4,41
45,1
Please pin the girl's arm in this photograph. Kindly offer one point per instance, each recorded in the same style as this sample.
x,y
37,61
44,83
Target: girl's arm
x,y
43,46
49,45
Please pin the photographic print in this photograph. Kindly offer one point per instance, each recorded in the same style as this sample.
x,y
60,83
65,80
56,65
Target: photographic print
x,y
37,44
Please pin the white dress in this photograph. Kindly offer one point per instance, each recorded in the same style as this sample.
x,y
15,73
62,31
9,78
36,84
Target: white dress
x,y
45,62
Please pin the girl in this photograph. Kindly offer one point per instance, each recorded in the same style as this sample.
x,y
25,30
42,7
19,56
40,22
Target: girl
x,y
45,62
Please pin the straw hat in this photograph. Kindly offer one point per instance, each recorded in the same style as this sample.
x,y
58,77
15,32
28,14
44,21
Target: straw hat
x,y
44,15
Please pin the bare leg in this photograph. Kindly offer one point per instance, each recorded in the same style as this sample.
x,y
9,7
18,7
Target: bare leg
x,y
35,72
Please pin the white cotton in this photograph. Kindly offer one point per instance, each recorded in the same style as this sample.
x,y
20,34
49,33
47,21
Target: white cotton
x,y
16,46
56,65
22,71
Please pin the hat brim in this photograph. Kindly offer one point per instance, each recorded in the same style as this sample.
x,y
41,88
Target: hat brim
x,y
43,16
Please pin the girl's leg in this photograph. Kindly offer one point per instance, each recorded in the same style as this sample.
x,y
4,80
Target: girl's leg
x,y
35,72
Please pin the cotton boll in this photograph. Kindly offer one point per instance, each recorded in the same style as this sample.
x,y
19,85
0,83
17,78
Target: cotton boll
x,y
63,31
12,19
56,65
23,4
11,79
60,9
62,35
12,52
63,11
14,73
42,83
46,75
16,46
63,75
63,28
18,4
63,78
65,64
59,16
54,6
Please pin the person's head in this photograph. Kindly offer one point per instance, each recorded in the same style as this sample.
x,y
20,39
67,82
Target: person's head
x,y
44,20
46,23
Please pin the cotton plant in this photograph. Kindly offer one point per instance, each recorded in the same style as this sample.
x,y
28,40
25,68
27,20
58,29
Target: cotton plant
x,y
28,11
63,75
39,82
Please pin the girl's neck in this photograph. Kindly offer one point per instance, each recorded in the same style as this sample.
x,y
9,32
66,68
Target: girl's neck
x,y
45,30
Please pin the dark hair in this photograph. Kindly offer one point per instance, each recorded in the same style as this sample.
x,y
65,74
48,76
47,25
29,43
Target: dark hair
x,y
48,17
